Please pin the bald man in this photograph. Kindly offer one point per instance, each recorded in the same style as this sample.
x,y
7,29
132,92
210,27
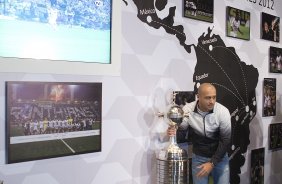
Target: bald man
x,y
210,124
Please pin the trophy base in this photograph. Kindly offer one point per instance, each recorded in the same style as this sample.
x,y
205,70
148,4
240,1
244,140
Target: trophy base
x,y
172,166
172,171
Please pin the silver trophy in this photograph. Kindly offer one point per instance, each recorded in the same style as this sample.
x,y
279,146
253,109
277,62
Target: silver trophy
x,y
172,162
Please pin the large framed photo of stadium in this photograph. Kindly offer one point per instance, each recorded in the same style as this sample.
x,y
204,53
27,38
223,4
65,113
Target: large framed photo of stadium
x,y
52,119
45,36
238,23
198,9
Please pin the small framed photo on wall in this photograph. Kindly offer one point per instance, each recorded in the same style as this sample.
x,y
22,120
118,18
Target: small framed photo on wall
x,y
269,97
181,99
275,60
275,136
270,27
199,10
257,165
237,23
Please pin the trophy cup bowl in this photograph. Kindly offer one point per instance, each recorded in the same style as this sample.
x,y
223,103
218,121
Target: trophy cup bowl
x,y
175,115
172,162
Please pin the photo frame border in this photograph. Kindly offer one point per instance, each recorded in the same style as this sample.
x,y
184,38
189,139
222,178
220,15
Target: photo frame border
x,y
96,148
184,9
227,20
274,126
261,27
254,153
269,59
263,85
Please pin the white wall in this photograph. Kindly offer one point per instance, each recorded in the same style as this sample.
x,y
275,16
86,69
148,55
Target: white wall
x,y
152,65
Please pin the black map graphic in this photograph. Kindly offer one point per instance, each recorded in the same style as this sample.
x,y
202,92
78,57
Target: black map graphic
x,y
220,65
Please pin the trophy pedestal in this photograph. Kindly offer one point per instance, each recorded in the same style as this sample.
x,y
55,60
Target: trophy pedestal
x,y
172,166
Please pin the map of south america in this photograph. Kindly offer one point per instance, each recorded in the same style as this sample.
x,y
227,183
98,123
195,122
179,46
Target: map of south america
x,y
220,65
235,83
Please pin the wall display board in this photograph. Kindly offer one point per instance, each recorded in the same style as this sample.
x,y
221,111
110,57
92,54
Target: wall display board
x,y
238,23
235,82
199,10
257,166
275,60
269,97
275,136
52,119
270,27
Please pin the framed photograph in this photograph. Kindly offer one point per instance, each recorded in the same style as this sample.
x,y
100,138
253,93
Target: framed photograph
x,y
51,35
275,136
269,97
275,60
52,119
257,166
270,27
198,10
181,98
238,23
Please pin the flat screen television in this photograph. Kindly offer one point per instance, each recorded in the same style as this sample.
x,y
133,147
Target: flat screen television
x,y
55,32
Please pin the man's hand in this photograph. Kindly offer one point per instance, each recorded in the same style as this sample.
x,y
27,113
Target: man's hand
x,y
171,131
206,168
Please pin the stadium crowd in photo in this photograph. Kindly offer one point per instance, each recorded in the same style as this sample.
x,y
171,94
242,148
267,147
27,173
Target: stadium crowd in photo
x,y
72,12
64,118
